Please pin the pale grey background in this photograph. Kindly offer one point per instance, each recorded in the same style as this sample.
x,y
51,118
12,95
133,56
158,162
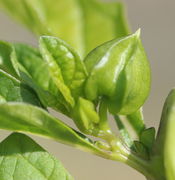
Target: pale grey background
x,y
156,18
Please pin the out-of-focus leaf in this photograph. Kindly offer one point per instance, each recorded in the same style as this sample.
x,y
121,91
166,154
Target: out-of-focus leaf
x,y
21,158
56,52
11,90
102,22
84,23
165,143
119,71
26,118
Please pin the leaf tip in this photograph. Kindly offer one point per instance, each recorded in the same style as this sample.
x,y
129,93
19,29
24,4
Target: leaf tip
x,y
138,32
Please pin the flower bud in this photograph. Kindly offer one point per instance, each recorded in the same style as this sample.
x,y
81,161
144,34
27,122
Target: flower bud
x,y
119,72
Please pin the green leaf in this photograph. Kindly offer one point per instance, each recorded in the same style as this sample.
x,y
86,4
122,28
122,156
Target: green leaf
x,y
43,77
147,137
119,71
21,158
165,144
26,118
77,22
108,16
13,90
5,58
141,150
85,116
58,53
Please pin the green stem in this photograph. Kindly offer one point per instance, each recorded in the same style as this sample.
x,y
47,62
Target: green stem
x,y
150,169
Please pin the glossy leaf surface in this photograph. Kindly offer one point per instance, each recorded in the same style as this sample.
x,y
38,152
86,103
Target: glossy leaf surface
x,y
21,117
56,52
77,22
119,71
21,158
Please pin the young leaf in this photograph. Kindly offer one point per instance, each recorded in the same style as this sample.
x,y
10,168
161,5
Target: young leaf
x,y
21,158
147,137
85,116
12,90
141,150
57,52
165,144
119,71
44,78
26,118
77,22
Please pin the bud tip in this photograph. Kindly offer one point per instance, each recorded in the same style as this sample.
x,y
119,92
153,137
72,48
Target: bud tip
x,y
138,32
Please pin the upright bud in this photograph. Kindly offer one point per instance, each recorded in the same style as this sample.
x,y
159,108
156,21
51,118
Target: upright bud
x,y
85,116
119,71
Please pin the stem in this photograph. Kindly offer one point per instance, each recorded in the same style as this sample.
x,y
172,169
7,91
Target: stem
x,y
151,169
133,161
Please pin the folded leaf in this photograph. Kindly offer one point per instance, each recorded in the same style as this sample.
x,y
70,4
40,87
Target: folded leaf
x,y
165,144
12,90
44,78
56,52
21,158
119,71
26,118
77,22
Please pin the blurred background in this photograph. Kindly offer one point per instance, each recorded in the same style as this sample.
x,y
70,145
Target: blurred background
x,y
156,19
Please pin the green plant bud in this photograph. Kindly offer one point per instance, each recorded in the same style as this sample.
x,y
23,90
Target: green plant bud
x,y
119,71
85,116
